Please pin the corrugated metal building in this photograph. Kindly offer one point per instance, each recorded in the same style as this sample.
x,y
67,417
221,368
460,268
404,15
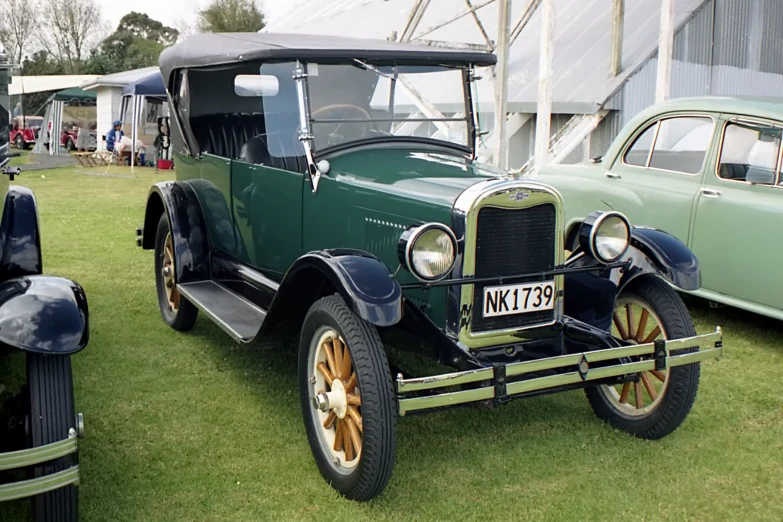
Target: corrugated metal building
x,y
720,47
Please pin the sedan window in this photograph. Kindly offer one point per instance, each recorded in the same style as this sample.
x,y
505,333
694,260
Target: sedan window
x,y
678,145
750,153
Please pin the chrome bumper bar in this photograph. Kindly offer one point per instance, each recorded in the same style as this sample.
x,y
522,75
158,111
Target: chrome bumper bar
x,y
496,379
33,456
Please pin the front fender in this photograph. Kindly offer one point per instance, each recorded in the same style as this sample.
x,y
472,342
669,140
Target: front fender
x,y
361,279
186,223
590,296
43,314
20,240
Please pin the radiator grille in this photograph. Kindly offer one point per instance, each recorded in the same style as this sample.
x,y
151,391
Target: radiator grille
x,y
510,242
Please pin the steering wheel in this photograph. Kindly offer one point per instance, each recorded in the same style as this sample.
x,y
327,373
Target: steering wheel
x,y
344,109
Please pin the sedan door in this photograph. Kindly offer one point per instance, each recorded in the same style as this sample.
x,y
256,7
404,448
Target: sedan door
x,y
737,231
663,167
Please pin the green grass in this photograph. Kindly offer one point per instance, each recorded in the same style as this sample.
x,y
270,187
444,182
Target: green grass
x,y
22,160
191,427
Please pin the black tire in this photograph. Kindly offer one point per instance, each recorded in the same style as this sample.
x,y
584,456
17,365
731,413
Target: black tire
x,y
369,476
70,145
19,142
682,381
184,317
52,416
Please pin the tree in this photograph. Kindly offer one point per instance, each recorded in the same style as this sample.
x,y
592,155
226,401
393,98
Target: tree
x,y
231,16
71,27
17,21
137,42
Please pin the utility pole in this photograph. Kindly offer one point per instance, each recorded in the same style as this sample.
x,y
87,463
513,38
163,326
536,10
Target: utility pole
x,y
665,49
544,106
501,81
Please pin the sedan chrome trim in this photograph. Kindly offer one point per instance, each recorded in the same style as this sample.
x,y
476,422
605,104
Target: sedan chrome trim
x,y
660,352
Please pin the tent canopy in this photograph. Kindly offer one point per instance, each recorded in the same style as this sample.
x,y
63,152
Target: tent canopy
x,y
151,86
75,96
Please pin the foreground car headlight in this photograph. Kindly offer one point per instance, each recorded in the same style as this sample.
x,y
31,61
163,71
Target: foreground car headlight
x,y
428,251
606,235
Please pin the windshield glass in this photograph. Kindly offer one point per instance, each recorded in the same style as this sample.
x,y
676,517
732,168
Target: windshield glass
x,y
350,103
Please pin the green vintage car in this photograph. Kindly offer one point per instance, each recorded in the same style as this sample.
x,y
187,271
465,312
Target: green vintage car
x,y
706,170
328,199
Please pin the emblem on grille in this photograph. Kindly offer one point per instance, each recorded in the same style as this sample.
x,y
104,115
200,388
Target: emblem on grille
x,y
519,196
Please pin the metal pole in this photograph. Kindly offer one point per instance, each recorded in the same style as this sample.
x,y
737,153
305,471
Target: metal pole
x,y
618,19
665,48
414,19
544,110
501,84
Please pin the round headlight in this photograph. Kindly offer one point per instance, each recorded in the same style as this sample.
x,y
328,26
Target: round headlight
x,y
607,234
428,251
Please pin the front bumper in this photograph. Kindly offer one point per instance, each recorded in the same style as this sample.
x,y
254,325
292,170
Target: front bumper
x,y
34,456
504,382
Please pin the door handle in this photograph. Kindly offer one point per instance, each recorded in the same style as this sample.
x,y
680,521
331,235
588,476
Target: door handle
x,y
710,193
612,175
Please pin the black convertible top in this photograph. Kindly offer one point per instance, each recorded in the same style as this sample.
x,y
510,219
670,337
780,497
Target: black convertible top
x,y
225,48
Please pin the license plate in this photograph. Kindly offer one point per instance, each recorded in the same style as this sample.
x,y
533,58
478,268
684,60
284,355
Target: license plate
x,y
518,299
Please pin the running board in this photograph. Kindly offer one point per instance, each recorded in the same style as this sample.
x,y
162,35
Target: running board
x,y
240,318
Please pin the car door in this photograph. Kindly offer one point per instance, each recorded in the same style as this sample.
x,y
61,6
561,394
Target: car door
x,y
737,233
662,167
267,180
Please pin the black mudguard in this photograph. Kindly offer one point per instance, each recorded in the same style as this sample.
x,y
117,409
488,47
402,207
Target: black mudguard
x,y
186,222
361,279
43,314
590,296
20,240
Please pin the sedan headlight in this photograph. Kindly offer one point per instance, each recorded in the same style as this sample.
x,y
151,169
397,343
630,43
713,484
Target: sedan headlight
x,y
428,251
606,235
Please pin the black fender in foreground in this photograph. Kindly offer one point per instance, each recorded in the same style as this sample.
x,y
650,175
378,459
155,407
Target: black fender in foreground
x,y
43,314
186,222
590,296
361,279
20,239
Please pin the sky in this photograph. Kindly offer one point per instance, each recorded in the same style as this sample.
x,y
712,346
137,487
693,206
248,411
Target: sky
x,y
175,12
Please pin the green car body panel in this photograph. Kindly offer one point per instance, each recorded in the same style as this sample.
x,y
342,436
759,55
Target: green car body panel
x,y
365,202
733,227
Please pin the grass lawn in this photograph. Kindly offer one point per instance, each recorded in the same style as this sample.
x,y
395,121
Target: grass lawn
x,y
191,427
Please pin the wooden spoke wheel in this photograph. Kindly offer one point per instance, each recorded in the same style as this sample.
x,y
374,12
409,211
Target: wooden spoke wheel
x,y
634,321
177,311
167,272
337,398
347,399
654,403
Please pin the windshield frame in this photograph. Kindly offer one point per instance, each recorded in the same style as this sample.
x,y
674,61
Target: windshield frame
x,y
468,119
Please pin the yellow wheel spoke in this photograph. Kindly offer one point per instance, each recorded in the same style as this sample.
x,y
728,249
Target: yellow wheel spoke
x,y
338,358
346,362
353,432
351,384
637,395
354,399
642,325
354,415
618,322
330,357
624,394
658,375
349,450
329,422
649,386
629,316
338,436
325,372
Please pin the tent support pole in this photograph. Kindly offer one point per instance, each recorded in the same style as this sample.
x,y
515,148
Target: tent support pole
x,y
665,48
544,105
501,84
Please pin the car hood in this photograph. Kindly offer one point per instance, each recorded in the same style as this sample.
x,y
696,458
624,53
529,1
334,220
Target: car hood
x,y
431,177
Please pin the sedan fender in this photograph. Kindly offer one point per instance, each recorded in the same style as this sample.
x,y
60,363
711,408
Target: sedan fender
x,y
186,223
42,314
361,279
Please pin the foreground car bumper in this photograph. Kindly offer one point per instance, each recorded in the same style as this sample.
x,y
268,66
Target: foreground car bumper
x,y
506,381
34,456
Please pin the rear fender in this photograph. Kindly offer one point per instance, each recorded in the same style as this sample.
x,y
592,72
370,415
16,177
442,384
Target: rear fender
x,y
20,240
42,314
361,279
186,222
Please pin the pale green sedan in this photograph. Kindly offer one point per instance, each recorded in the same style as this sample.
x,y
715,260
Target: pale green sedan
x,y
706,170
